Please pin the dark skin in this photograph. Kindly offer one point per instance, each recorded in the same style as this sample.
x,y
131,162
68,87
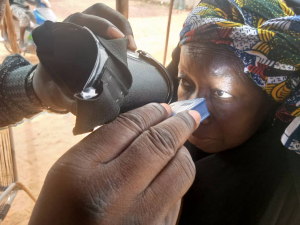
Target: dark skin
x,y
133,170
237,106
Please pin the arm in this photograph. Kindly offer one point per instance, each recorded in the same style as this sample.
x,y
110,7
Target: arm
x,y
24,94
17,100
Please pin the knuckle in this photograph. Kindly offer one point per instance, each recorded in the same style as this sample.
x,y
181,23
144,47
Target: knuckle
x,y
97,8
133,122
167,137
163,140
141,118
75,17
187,123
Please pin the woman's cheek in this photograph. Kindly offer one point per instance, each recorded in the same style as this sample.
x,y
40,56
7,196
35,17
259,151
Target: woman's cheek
x,y
179,93
218,108
223,110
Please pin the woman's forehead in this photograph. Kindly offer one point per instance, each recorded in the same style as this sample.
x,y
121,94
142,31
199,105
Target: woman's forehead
x,y
199,61
213,60
211,53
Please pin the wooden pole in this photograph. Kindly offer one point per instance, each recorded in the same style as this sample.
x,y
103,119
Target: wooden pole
x,y
8,20
24,188
13,153
168,31
122,6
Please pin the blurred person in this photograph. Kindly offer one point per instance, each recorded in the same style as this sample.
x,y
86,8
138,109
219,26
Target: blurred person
x,y
43,4
25,16
44,8
22,12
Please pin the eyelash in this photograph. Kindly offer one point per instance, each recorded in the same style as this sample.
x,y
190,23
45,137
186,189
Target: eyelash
x,y
189,87
223,92
180,79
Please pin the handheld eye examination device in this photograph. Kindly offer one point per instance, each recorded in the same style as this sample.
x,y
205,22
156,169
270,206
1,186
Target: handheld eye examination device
x,y
198,104
107,79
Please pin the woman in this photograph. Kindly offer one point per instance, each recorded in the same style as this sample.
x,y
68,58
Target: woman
x,y
243,57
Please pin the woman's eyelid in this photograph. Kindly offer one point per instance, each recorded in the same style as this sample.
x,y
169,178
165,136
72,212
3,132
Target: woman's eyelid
x,y
184,82
182,76
225,94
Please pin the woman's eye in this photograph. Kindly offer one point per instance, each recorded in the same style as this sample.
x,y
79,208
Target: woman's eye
x,y
222,94
184,82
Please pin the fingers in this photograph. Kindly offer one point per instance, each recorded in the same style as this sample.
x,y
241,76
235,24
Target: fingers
x,y
116,136
97,25
71,105
153,150
132,45
105,22
103,11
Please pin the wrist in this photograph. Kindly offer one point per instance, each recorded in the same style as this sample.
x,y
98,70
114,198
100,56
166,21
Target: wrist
x,y
40,95
30,92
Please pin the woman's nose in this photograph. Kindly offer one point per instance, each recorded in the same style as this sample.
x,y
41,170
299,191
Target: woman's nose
x,y
207,121
204,94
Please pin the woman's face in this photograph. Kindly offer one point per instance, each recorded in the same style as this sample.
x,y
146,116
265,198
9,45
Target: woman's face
x,y
237,107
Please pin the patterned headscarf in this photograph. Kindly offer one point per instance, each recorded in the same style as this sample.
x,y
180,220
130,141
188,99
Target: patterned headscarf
x,y
265,35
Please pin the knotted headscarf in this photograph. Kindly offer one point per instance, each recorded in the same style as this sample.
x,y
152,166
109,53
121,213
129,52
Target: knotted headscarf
x,y
265,35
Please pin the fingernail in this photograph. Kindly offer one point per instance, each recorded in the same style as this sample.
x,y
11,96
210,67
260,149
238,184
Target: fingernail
x,y
195,115
114,32
132,45
167,107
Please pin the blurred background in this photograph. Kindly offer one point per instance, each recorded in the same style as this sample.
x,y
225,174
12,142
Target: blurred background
x,y
40,141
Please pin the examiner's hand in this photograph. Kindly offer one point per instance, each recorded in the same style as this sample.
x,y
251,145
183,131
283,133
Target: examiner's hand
x,y
104,22
133,170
